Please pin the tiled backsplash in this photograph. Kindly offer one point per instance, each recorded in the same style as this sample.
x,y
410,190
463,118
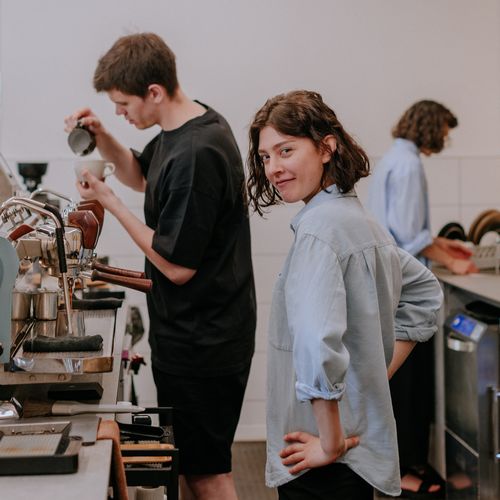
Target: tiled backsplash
x,y
459,188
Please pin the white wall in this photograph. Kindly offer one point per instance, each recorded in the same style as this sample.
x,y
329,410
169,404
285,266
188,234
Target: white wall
x,y
370,60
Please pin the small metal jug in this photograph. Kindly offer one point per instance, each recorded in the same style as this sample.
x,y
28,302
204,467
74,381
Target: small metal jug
x,y
81,140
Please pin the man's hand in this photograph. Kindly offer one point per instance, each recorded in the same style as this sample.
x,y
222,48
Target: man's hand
x,y
87,118
95,189
306,451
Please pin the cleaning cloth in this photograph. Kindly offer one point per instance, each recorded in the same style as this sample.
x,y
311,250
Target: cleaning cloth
x,y
42,343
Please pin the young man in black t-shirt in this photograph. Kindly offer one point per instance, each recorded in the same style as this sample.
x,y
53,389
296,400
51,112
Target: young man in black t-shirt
x,y
197,246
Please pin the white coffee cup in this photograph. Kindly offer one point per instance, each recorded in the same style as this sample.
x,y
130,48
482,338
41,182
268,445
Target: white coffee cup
x,y
99,168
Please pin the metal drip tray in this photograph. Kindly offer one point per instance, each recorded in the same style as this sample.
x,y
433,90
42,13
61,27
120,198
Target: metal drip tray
x,y
39,448
67,362
63,362
28,445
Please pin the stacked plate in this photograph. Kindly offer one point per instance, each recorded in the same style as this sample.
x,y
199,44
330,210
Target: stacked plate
x,y
484,230
486,226
453,231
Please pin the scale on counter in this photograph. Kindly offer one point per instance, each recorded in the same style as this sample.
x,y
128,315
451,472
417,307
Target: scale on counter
x,y
472,397
463,325
38,448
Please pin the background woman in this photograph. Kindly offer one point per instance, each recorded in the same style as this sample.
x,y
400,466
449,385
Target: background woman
x,y
398,198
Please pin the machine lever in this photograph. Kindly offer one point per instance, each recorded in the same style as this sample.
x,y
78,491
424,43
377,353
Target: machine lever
x,y
494,395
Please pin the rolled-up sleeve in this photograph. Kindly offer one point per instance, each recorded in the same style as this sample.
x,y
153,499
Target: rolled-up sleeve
x,y
407,208
317,315
420,301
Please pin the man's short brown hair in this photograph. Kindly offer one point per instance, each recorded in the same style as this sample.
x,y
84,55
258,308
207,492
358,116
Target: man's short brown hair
x,y
135,62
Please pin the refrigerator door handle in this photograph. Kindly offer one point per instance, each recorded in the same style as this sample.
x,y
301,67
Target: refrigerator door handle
x,y
494,395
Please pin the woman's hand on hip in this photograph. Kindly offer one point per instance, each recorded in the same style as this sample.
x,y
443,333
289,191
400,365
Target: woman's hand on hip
x,y
306,452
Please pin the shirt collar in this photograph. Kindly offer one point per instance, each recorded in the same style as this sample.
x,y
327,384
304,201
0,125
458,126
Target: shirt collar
x,y
407,145
321,197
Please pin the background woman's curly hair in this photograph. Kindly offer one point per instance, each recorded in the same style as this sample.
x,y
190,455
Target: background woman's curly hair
x,y
302,113
424,124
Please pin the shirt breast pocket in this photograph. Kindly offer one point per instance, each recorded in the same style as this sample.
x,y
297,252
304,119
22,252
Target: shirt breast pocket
x,y
279,333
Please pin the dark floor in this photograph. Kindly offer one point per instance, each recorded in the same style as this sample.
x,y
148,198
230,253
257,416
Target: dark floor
x,y
249,461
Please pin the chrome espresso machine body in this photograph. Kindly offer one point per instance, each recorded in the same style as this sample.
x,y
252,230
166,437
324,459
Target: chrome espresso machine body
x,y
46,332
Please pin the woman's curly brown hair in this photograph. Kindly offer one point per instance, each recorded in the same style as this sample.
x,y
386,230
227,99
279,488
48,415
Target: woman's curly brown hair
x,y
303,113
424,123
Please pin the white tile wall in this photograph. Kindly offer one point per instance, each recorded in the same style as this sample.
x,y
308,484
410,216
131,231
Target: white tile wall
x,y
443,175
480,181
441,215
461,188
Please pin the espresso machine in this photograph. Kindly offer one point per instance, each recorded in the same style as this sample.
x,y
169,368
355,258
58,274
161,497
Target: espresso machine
x,y
49,334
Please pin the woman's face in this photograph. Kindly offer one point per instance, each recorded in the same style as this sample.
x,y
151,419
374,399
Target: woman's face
x,y
293,165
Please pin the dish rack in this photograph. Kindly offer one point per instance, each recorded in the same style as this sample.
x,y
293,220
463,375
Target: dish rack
x,y
487,257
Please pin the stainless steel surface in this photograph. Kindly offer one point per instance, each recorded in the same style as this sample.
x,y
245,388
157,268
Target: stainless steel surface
x,y
53,259
495,423
42,243
45,328
471,374
63,362
81,140
459,345
75,363
8,410
78,319
40,191
45,305
29,445
90,482
21,305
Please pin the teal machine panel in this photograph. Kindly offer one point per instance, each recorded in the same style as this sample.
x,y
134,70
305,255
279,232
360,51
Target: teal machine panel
x,y
9,264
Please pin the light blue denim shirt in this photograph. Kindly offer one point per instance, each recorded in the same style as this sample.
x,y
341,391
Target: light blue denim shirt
x,y
398,197
344,294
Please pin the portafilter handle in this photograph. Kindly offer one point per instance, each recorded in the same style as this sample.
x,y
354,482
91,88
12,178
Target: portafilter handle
x,y
117,270
140,284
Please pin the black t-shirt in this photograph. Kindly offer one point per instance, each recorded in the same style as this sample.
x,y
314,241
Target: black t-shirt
x,y
195,203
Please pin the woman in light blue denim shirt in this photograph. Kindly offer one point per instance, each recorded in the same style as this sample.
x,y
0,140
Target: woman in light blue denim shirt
x,y
398,199
347,309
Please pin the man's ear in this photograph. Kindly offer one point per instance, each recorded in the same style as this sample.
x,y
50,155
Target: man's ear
x,y
329,145
156,92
